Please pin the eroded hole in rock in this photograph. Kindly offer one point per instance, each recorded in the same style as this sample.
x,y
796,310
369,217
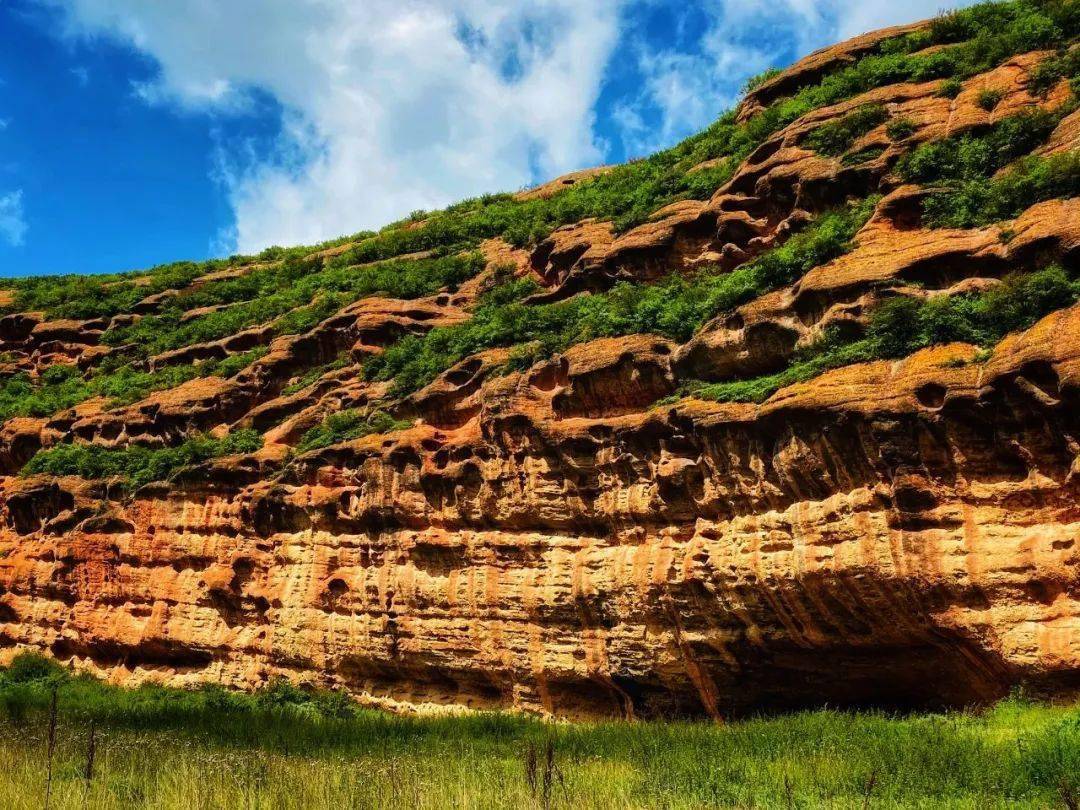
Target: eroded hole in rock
x,y
1043,591
550,376
914,496
272,516
1043,376
148,653
27,512
463,373
931,395
942,272
916,677
337,587
438,560
765,151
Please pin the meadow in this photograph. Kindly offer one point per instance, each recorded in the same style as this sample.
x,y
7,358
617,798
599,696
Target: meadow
x,y
287,748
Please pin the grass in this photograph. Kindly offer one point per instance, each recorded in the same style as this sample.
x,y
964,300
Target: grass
x,y
135,465
285,748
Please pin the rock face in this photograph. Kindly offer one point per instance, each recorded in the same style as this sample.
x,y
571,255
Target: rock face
x,y
571,538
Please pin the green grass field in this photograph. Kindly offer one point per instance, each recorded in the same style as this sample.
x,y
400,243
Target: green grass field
x,y
163,748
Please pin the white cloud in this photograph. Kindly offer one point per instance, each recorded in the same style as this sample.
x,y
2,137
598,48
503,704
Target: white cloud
x,y
854,17
390,105
12,218
743,38
393,105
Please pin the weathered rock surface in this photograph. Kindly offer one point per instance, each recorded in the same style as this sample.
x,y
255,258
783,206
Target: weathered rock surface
x,y
558,539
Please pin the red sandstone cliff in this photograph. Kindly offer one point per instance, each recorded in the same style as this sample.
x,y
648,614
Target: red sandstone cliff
x,y
576,538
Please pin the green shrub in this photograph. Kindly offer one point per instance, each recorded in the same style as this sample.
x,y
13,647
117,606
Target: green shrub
x,y
950,88
60,387
754,82
137,465
29,667
988,98
347,425
836,137
974,203
1053,69
978,156
863,155
902,326
900,129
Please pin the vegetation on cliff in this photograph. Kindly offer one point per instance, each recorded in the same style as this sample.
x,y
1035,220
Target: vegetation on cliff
x,y
292,297
293,290
903,325
135,465
674,308
982,175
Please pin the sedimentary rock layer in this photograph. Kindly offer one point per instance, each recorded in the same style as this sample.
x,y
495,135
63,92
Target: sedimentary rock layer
x,y
582,538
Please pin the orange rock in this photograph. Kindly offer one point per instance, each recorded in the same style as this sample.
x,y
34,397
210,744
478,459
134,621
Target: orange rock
x,y
569,536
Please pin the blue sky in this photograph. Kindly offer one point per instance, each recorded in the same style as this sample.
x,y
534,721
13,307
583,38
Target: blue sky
x,y
135,133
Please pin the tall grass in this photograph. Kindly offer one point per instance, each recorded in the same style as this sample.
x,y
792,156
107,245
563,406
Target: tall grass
x,y
284,748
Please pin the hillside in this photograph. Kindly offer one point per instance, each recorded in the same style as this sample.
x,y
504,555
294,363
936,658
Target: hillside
x,y
786,415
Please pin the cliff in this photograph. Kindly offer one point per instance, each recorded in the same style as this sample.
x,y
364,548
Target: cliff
x,y
787,415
